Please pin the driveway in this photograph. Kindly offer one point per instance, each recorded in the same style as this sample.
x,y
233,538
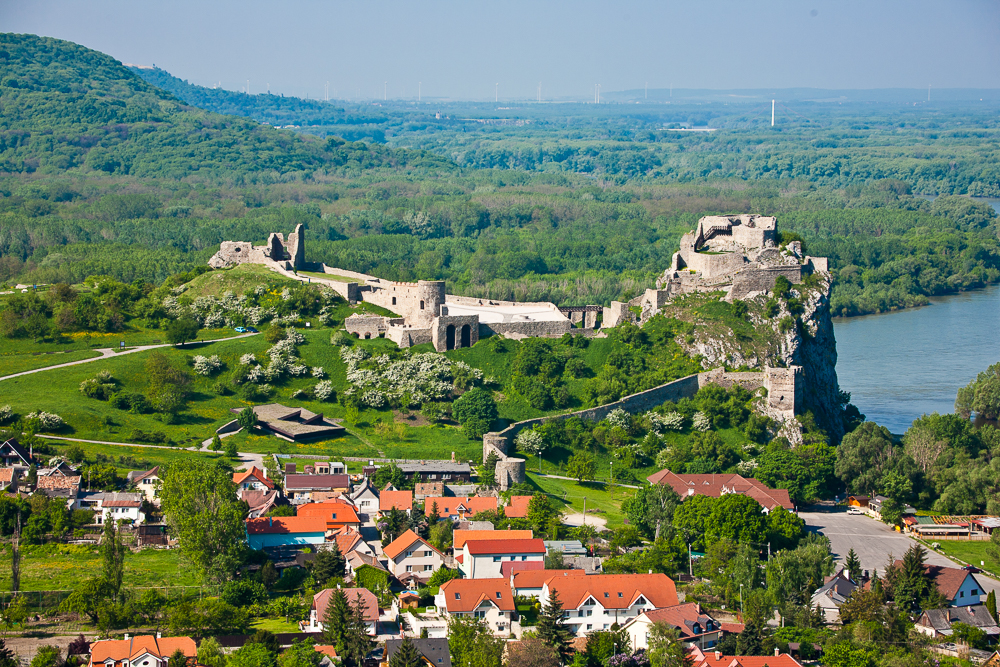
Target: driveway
x,y
873,541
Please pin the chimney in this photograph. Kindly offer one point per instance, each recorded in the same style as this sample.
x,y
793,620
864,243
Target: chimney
x,y
453,457
718,655
126,636
159,635
777,651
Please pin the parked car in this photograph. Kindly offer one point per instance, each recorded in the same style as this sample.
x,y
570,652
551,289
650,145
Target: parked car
x,y
240,330
854,510
252,330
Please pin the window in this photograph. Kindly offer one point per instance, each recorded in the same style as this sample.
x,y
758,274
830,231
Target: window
x,y
579,614
606,594
409,568
409,553
590,612
458,596
421,305
975,591
428,552
961,594
498,595
524,558
497,559
445,476
394,301
606,626
428,568
619,593
590,626
479,614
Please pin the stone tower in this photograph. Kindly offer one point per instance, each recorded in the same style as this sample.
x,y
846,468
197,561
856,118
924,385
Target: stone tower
x,y
430,294
296,247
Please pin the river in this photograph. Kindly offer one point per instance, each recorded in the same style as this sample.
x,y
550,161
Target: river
x,y
901,365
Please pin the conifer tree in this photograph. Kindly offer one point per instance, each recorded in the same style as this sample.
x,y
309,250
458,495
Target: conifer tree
x,y
335,620
406,656
551,630
853,566
991,604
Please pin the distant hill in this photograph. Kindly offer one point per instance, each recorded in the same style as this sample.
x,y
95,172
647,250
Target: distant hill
x,y
66,107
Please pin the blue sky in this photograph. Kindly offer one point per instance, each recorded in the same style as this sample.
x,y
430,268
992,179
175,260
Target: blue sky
x,y
462,49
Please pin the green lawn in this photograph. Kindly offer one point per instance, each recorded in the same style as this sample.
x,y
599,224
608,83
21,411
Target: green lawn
x,y
597,494
329,276
972,553
56,567
238,280
275,625
11,363
128,458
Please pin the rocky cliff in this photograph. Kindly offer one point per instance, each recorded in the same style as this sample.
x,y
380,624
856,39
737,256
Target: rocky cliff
x,y
794,330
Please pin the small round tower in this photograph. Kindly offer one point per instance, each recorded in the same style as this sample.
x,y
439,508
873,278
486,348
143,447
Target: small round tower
x,y
431,296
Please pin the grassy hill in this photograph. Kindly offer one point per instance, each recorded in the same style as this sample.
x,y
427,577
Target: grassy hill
x,y
67,107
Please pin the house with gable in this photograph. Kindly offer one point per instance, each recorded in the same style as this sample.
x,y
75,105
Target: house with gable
x,y
939,623
260,502
389,500
487,559
694,627
139,651
488,600
529,583
718,485
13,454
147,482
316,488
410,554
458,507
461,536
598,601
337,514
434,651
365,497
9,478
106,506
832,594
285,531
958,585
255,479
355,596
700,658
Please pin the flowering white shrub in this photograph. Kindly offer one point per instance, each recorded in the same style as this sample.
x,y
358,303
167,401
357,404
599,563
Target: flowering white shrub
x,y
259,290
529,440
180,289
747,467
256,375
47,420
215,320
286,294
298,370
104,376
248,358
295,336
323,390
298,393
663,457
701,422
6,414
207,365
318,372
660,424
373,398
620,418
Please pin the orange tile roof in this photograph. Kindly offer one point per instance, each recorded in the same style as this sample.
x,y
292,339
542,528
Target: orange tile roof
x,y
6,475
465,595
326,649
518,507
57,482
462,536
256,473
713,659
535,578
119,650
450,506
368,599
404,542
347,539
615,591
486,547
683,617
286,524
332,512
395,500
716,485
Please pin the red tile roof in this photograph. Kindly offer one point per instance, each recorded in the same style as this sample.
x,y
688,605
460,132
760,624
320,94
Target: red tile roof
x,y
332,512
368,600
459,505
465,595
614,591
6,475
134,647
716,485
398,500
286,524
518,507
487,547
715,659
255,473
404,542
347,539
535,578
460,537
58,483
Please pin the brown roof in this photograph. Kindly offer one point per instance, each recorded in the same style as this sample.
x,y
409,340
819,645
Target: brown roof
x,y
134,647
535,578
518,507
684,617
465,595
717,485
395,500
368,599
321,482
486,547
404,542
615,591
61,483
460,537
254,472
258,499
459,504
948,579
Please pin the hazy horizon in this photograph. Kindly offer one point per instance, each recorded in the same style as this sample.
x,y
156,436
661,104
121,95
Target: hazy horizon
x,y
461,51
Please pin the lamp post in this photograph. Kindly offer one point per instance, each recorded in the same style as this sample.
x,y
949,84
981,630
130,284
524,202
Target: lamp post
x,y
611,485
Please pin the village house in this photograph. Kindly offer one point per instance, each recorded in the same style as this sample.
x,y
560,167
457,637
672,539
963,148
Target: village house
x,y
9,478
448,472
529,583
329,468
410,554
316,488
57,486
260,502
517,508
394,500
139,651
285,531
255,479
365,497
13,454
355,597
718,485
834,592
938,623
598,601
699,658
958,586
694,627
484,559
490,601
434,651
117,506
422,490
337,514
147,482
458,507
462,535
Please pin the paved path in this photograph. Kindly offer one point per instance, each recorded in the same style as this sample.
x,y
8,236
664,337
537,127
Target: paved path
x,y
110,352
579,519
246,460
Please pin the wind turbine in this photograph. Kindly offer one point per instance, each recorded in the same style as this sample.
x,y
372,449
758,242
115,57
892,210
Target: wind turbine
x,y
496,92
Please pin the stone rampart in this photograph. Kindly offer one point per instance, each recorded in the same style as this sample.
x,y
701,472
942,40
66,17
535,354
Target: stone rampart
x,y
452,332
418,303
529,329
762,279
407,336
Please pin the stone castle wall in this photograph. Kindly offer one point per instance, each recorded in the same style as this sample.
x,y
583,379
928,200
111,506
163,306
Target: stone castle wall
x,y
439,331
762,280
418,303
535,329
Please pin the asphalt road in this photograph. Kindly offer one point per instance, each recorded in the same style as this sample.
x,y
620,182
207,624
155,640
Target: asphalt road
x,y
873,541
